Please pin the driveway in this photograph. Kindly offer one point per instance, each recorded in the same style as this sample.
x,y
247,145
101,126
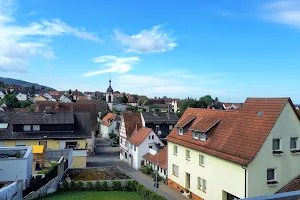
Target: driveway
x,y
106,156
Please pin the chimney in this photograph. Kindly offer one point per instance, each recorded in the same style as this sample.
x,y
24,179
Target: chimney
x,y
137,126
56,108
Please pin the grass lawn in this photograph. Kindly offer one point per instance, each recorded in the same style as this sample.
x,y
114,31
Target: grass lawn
x,y
94,195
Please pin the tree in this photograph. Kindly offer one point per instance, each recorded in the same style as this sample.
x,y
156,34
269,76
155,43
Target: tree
x,y
11,100
103,114
25,104
2,84
42,87
117,112
124,99
70,91
133,108
136,97
205,101
33,87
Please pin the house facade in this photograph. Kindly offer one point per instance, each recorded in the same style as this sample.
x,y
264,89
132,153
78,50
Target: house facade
x,y
110,123
129,122
53,130
38,99
158,159
16,164
2,94
140,142
161,123
210,147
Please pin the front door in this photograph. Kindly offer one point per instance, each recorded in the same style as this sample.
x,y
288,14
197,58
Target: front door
x,y
187,180
131,160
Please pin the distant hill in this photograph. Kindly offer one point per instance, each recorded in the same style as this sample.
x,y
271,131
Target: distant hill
x,y
11,81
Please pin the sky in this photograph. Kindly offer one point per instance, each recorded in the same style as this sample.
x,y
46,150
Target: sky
x,y
229,49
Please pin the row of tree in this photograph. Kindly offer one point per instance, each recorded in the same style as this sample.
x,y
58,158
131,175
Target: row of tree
x,y
11,100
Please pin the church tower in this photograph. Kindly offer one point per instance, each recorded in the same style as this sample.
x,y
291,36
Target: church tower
x,y
109,93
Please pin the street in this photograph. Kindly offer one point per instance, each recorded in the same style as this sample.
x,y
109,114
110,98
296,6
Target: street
x,y
106,156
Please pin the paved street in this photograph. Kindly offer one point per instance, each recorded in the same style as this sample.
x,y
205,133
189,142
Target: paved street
x,y
105,155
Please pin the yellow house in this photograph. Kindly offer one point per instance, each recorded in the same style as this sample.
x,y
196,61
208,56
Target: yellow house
x,y
220,155
53,130
39,98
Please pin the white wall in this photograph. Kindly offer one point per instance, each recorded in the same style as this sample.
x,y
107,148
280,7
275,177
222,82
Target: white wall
x,y
17,169
21,97
287,164
220,175
104,131
122,142
143,149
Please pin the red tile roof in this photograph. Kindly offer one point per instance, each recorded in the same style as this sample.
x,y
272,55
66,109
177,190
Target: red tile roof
x,y
53,93
131,99
206,123
239,135
185,119
162,158
131,120
138,137
108,119
294,185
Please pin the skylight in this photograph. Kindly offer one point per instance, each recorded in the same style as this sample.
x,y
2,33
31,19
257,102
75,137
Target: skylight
x,y
3,125
260,113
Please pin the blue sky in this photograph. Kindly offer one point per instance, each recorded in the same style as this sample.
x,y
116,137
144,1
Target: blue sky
x,y
230,49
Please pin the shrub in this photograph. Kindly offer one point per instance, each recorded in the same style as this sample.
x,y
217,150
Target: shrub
x,y
130,186
139,189
80,185
98,185
147,170
65,186
104,186
73,185
159,178
145,193
117,185
90,185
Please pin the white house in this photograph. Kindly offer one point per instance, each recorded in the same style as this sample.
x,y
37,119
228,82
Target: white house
x,y
65,100
224,155
110,123
159,159
16,164
174,106
140,142
2,94
129,122
21,97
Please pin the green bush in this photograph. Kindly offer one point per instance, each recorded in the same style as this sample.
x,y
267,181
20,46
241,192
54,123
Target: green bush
x,y
117,185
147,170
139,188
104,186
159,178
65,186
98,185
73,185
130,186
147,194
80,185
90,186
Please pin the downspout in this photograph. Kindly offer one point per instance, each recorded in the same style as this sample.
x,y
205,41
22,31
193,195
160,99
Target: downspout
x,y
244,167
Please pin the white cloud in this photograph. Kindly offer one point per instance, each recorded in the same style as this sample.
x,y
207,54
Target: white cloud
x,y
113,64
147,41
18,44
283,11
161,85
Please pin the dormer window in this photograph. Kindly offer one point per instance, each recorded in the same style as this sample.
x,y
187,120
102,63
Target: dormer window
x,y
196,135
180,131
27,128
202,136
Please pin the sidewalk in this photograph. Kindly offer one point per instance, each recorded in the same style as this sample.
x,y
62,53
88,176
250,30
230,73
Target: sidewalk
x,y
147,181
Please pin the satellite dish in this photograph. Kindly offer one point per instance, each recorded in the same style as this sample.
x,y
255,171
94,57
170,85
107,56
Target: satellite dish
x,y
159,132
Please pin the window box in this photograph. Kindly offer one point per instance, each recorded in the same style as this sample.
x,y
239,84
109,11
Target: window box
x,y
272,183
277,152
295,151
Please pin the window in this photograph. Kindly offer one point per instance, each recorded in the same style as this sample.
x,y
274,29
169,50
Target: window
x,y
294,143
27,127
131,146
180,131
160,170
201,160
175,150
195,135
204,185
134,148
164,172
20,143
187,155
121,140
271,174
1,144
170,127
175,170
71,145
202,136
43,143
276,144
152,137
199,183
150,147
125,155
149,137
36,127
